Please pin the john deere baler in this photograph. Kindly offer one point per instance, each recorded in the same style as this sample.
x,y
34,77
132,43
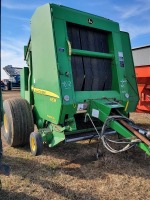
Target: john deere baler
x,y
80,82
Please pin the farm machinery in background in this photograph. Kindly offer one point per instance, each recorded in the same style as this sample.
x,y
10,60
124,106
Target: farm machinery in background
x,y
80,84
143,81
14,78
141,56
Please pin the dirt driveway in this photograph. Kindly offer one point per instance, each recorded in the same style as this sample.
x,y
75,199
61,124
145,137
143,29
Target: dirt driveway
x,y
72,172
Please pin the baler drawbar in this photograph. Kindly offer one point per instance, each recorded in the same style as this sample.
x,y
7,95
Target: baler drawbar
x,y
80,84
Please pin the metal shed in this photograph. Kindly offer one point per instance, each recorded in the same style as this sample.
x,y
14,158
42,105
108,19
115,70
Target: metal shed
x,y
141,55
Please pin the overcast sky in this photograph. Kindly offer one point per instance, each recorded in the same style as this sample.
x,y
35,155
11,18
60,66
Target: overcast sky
x,y
132,15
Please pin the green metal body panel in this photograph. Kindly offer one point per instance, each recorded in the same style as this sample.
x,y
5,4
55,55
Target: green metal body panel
x,y
45,74
130,72
49,65
24,81
48,83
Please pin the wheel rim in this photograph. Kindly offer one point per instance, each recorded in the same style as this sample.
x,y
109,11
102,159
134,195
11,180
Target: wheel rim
x,y
33,144
6,126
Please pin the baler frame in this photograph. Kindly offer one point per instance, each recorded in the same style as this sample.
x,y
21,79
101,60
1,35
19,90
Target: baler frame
x,y
61,103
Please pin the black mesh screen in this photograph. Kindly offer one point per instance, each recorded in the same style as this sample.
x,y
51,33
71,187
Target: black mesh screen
x,y
89,74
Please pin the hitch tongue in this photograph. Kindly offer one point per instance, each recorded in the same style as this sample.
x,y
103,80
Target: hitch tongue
x,y
141,137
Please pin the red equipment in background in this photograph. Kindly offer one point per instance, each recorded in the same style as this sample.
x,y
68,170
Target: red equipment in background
x,y
143,81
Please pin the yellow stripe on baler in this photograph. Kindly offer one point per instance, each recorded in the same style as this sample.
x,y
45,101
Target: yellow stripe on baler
x,y
44,92
126,107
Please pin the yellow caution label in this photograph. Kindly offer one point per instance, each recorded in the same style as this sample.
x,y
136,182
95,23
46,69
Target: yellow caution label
x,y
126,107
44,92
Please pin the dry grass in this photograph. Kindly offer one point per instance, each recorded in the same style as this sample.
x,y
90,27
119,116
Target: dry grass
x,y
72,172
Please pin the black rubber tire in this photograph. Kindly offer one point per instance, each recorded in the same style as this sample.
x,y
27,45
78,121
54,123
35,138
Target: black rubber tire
x,y
19,118
38,144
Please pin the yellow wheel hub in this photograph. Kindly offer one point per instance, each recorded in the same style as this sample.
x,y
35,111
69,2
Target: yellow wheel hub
x,y
6,126
33,144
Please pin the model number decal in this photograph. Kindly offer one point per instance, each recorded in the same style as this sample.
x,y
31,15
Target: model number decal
x,y
66,84
52,99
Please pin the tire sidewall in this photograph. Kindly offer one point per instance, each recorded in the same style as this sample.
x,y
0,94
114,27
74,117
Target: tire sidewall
x,y
8,135
20,122
38,144
33,135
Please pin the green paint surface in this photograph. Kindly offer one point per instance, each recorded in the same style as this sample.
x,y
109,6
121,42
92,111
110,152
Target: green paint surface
x,y
48,56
